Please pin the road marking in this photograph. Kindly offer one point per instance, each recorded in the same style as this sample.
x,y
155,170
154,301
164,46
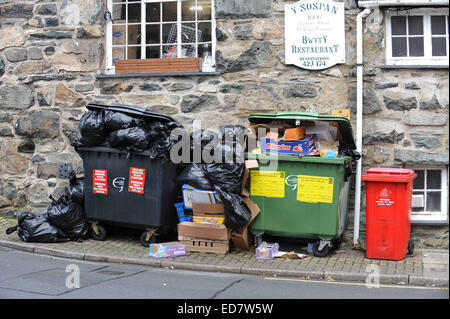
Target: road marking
x,y
354,283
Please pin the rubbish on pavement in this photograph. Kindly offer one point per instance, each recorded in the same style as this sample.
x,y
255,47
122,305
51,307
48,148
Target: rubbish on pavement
x,y
219,247
242,238
194,176
37,229
182,215
165,250
194,195
68,216
208,213
290,255
266,250
203,231
75,189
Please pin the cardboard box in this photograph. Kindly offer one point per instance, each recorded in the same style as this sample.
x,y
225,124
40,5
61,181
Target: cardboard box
x,y
164,250
306,146
203,231
206,246
208,213
194,195
242,239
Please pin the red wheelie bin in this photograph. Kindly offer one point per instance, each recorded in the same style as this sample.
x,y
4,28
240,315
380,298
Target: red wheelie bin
x,y
388,212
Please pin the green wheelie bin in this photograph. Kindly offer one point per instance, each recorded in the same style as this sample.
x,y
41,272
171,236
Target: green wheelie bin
x,y
302,196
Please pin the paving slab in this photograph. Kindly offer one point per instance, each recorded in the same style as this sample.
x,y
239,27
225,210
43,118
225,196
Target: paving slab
x,y
425,267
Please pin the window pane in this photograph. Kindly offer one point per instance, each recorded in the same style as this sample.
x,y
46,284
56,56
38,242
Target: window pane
x,y
416,46
205,28
118,12
419,209
419,180
204,10
438,25
153,34
169,33
188,33
439,46
118,53
153,52
134,53
434,179
205,52
415,24
398,25
398,47
433,202
169,11
134,13
188,10
170,51
188,51
153,12
118,33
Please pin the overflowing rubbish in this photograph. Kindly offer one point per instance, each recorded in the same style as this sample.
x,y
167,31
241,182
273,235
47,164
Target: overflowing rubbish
x,y
266,250
166,250
101,126
63,220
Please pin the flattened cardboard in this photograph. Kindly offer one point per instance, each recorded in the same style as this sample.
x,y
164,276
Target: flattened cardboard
x,y
203,231
242,238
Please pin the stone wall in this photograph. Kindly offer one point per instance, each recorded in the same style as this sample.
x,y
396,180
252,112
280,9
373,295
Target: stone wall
x,y
52,51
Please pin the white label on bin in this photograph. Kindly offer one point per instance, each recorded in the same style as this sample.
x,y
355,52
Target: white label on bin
x,y
118,183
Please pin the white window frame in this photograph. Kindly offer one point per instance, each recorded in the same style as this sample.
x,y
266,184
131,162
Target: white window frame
x,y
427,59
109,66
434,217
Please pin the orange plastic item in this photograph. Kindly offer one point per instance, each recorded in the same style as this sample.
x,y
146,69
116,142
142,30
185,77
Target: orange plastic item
x,y
294,134
388,212
272,135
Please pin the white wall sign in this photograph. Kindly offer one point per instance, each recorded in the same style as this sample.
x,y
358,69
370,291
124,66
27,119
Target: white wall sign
x,y
315,34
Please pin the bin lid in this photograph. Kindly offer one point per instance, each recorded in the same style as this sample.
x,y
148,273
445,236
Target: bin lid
x,y
389,175
345,127
131,110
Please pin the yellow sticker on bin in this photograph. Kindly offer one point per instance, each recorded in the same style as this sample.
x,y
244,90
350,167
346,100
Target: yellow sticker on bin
x,y
315,189
267,183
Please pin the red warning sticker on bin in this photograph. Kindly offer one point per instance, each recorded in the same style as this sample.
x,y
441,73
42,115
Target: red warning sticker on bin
x,y
100,183
137,180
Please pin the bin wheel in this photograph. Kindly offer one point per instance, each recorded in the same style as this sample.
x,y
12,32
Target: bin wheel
x,y
321,253
147,238
98,232
411,247
258,240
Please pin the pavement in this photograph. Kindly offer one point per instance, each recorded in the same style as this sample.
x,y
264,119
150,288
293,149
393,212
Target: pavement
x,y
426,267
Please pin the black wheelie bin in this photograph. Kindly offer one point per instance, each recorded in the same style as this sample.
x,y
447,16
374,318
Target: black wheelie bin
x,y
129,189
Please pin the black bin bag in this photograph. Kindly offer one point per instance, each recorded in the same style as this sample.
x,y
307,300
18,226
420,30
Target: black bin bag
x,y
75,189
68,216
92,130
37,229
237,213
133,139
115,121
194,176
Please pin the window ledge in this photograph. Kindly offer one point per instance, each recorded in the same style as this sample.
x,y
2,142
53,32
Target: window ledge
x,y
429,222
414,66
143,75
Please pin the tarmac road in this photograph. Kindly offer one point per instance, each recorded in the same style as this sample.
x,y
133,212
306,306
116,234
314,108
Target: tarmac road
x,y
30,276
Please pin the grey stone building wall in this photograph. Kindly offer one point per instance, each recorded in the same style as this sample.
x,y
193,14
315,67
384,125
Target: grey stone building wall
x,y
51,53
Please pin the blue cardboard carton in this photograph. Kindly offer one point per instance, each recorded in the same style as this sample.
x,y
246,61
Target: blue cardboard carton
x,y
307,146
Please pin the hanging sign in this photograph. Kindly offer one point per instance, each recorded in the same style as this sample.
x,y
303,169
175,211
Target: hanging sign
x,y
315,34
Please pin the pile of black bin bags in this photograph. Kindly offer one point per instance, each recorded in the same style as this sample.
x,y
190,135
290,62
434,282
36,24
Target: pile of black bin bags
x,y
224,175
127,133
63,220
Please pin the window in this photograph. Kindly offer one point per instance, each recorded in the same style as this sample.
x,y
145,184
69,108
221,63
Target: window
x,y
417,37
161,29
430,195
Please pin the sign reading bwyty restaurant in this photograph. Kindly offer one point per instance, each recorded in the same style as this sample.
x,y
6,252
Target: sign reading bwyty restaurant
x,y
315,34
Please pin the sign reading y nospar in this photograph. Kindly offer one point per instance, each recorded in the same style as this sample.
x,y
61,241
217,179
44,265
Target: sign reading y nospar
x,y
315,34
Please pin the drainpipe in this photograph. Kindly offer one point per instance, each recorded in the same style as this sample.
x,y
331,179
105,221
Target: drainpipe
x,y
359,118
